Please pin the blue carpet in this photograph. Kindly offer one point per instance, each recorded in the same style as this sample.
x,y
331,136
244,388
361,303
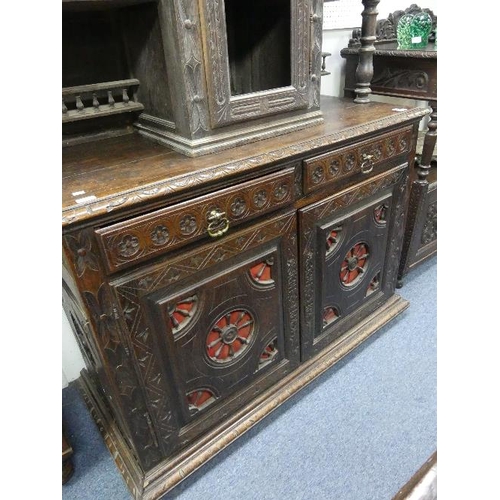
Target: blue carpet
x,y
358,432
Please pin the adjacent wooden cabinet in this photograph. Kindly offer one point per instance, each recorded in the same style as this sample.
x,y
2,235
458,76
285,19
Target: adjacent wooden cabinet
x,y
204,292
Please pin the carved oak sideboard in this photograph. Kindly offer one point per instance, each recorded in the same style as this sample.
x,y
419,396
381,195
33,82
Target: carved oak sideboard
x,y
204,292
410,74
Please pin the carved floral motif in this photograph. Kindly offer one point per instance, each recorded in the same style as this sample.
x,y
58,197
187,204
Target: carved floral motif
x,y
81,247
128,246
238,207
260,198
281,192
160,235
188,225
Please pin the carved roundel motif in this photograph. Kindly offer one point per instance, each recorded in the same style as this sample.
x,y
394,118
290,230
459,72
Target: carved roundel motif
x,y
260,198
238,206
181,313
188,224
391,146
318,175
380,213
159,235
199,399
350,162
128,245
378,151
281,191
333,239
261,273
230,336
354,264
330,314
334,167
374,285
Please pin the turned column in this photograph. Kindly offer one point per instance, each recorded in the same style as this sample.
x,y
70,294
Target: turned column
x,y
429,144
364,71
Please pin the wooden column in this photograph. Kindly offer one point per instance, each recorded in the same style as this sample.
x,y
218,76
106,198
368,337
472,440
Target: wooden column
x,y
364,71
429,143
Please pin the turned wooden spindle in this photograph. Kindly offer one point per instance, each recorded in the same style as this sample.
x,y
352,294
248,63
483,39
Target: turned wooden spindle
x,y
111,100
79,104
364,71
125,97
429,144
64,108
95,101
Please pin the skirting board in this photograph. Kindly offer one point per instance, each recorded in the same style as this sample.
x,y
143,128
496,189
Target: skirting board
x,y
165,476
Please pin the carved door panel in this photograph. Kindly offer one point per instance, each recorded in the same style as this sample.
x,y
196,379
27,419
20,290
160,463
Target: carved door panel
x,y
350,244
213,327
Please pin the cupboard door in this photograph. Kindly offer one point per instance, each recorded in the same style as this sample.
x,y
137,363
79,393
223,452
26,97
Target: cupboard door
x,y
350,246
212,327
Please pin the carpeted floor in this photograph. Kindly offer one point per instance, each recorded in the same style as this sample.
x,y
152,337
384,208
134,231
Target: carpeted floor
x,y
358,432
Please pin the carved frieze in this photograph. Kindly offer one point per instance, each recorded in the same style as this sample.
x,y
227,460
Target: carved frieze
x,y
402,79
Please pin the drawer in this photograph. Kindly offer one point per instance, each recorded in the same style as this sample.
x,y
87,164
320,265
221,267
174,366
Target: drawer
x,y
362,157
213,215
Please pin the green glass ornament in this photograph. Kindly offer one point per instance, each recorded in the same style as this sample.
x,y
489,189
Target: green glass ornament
x,y
413,30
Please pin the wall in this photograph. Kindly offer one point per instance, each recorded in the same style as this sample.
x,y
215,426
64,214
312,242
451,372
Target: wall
x,y
333,41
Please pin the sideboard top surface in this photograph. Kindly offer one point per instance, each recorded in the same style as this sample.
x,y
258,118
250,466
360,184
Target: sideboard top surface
x,y
127,171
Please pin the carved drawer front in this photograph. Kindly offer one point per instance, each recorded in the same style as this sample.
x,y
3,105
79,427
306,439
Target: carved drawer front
x,y
350,245
362,158
215,215
214,327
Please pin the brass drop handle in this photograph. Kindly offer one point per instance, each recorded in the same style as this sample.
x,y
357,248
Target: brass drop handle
x,y
218,223
367,165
